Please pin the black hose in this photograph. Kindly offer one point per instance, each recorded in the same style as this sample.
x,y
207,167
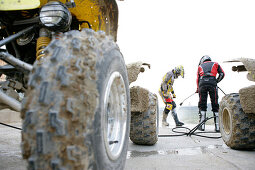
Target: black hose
x,y
173,130
192,131
221,90
11,126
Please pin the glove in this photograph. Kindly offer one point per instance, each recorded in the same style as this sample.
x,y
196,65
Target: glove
x,y
169,106
166,95
196,91
174,96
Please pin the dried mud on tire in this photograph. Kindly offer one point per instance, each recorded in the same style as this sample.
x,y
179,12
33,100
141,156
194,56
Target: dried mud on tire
x,y
237,127
61,104
144,125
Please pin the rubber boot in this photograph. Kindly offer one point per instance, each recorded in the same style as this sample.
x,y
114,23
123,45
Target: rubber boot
x,y
164,122
177,122
202,116
216,121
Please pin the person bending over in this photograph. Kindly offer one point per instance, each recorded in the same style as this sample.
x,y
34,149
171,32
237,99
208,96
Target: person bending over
x,y
167,94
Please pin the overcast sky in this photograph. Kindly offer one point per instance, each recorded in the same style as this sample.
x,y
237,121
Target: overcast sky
x,y
167,33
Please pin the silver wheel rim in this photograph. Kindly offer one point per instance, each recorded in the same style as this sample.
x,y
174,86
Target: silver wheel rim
x,y
226,121
115,115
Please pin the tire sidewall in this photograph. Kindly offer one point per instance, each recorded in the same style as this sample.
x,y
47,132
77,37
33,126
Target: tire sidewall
x,y
241,124
157,118
110,62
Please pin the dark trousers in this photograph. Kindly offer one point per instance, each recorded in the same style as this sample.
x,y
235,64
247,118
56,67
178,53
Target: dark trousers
x,y
203,93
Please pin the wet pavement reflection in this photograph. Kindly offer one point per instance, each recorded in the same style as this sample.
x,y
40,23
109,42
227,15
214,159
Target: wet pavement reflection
x,y
183,151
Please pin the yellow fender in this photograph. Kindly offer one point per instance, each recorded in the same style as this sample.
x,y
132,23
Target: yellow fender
x,y
10,5
101,14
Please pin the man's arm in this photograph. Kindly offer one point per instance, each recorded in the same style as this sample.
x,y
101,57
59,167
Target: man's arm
x,y
165,83
198,77
221,74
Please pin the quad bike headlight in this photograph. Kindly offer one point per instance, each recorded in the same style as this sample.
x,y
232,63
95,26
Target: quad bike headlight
x,y
55,16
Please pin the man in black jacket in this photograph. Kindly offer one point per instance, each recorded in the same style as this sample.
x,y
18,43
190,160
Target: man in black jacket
x,y
207,83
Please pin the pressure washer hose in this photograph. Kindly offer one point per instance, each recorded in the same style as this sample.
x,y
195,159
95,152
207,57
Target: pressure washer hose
x,y
192,131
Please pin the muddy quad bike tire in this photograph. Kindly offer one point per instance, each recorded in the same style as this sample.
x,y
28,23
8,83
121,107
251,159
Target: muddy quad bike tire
x,y
237,127
144,126
76,113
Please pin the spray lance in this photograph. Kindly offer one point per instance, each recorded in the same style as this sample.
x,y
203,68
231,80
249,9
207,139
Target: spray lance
x,y
187,98
195,93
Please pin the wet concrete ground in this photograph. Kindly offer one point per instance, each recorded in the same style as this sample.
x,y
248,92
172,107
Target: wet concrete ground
x,y
191,153
169,153
10,152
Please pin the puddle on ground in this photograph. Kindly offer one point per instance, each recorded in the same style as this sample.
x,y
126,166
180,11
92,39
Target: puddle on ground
x,y
183,151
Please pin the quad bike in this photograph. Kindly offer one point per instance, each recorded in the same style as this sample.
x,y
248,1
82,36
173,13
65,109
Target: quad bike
x,y
237,112
62,56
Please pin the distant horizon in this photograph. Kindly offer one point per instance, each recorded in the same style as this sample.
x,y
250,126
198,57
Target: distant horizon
x,y
178,106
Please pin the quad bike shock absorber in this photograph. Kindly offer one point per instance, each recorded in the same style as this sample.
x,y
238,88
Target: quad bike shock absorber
x,y
57,35
42,42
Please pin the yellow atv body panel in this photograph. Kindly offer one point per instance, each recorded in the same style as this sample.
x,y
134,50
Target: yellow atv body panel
x,y
101,14
10,5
